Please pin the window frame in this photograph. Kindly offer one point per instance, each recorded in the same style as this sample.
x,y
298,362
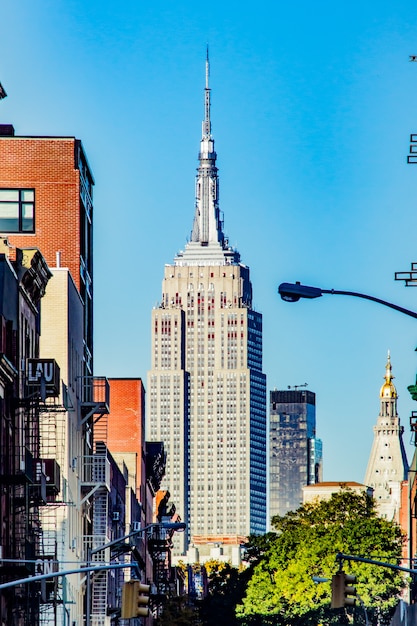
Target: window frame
x,y
21,203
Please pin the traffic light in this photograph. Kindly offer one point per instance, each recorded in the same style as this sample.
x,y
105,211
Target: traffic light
x,y
342,590
135,599
142,600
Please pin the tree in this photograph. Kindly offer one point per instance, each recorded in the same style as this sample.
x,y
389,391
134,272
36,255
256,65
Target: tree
x,y
281,589
226,587
177,613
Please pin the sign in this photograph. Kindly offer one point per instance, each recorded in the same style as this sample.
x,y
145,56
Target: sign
x,y
43,374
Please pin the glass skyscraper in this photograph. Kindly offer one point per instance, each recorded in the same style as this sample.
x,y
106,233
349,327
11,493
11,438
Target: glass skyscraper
x,y
295,452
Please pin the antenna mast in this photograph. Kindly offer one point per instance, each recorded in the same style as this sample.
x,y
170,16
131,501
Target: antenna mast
x,y
207,122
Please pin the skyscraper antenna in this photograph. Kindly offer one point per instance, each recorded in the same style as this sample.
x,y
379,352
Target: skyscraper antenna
x,y
207,67
207,122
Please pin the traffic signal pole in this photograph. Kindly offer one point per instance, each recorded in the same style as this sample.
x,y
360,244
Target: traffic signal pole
x,y
78,570
360,559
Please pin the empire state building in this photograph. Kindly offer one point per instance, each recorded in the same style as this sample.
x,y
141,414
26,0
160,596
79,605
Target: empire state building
x,y
206,388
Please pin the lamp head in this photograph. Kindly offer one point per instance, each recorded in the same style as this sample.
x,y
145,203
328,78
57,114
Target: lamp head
x,y
292,292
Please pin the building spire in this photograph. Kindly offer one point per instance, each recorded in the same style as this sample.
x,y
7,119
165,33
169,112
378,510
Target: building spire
x,y
387,464
207,227
207,123
207,244
388,388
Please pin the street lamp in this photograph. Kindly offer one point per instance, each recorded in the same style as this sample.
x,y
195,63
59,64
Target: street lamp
x,y
123,542
292,292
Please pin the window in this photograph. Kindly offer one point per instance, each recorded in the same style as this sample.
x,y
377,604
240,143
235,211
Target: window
x,y
17,210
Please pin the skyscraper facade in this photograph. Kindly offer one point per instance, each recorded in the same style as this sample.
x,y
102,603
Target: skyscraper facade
x,y
295,452
207,391
387,465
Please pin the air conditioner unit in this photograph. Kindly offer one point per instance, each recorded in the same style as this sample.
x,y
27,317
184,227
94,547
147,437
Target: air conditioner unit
x,y
116,516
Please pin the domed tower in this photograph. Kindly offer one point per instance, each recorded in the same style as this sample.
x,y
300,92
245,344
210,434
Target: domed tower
x,y
387,465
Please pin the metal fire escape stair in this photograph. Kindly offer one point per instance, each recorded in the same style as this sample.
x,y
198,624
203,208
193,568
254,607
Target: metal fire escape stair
x,y
96,487
99,586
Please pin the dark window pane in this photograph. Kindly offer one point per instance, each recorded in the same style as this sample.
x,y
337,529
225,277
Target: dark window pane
x,y
8,225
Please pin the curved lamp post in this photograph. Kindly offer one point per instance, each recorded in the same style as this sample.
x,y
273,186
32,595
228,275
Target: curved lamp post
x,y
292,292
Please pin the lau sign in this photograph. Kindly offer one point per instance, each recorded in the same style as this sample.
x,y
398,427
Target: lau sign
x,y
44,374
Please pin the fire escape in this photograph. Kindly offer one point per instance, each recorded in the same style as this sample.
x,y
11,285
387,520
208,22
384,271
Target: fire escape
x,y
33,483
53,508
160,547
43,403
95,489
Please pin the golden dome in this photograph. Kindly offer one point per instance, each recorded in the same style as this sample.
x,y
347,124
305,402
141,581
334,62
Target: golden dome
x,y
388,389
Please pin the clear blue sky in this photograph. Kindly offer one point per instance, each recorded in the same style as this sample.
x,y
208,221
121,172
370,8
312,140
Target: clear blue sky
x,y
312,107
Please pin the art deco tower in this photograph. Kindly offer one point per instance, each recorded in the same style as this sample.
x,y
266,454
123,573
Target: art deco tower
x,y
207,392
387,465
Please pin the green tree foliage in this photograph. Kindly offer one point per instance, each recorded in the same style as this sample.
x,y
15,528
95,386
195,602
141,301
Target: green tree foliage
x,y
281,589
176,612
226,587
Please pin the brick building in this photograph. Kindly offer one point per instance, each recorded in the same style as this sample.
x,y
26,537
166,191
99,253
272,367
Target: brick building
x,y
125,434
22,470
46,202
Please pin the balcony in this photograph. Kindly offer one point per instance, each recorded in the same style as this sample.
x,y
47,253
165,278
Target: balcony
x,y
95,474
95,396
20,469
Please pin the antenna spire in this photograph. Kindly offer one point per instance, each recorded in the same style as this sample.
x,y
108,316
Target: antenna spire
x,y
207,122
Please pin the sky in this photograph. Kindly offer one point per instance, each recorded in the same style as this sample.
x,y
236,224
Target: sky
x,y
313,104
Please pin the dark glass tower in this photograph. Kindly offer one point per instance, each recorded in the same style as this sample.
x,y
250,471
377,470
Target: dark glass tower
x,y
295,453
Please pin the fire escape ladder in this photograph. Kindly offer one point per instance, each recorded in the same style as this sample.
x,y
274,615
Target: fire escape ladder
x,y
52,457
159,546
49,590
100,537
97,483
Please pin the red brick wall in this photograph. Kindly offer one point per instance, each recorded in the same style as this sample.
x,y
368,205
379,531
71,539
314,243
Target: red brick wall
x,y
404,519
47,165
126,422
